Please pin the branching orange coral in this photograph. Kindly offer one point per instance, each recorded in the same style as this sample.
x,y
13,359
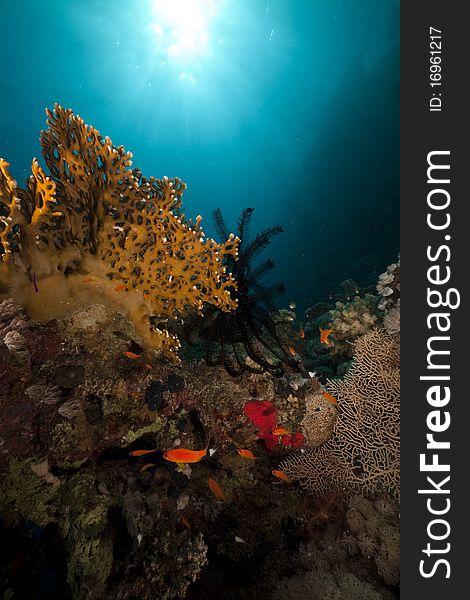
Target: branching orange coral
x,y
95,231
364,452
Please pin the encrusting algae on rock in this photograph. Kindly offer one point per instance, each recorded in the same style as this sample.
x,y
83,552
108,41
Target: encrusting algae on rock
x,y
96,231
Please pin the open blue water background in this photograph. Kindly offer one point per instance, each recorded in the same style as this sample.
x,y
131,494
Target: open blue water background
x,y
287,106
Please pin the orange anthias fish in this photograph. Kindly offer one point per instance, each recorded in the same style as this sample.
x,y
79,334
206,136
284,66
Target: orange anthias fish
x,y
280,475
302,333
246,454
145,467
142,452
216,489
324,334
182,456
330,398
280,431
121,287
132,355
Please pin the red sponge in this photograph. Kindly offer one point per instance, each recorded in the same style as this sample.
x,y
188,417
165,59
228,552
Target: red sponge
x,y
263,415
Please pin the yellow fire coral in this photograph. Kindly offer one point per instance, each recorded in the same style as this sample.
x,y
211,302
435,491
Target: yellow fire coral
x,y
95,231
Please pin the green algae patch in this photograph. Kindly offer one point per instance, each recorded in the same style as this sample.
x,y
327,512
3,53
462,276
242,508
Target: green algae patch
x,y
93,522
85,508
154,427
30,494
89,550
79,491
89,564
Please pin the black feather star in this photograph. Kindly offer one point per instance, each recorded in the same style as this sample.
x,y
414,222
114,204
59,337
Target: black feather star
x,y
245,339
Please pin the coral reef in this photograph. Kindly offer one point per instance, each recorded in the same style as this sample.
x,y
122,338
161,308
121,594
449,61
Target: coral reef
x,y
349,288
164,557
318,309
388,287
246,339
351,320
354,558
320,416
95,231
263,415
70,406
12,322
140,527
364,452
356,311
392,319
318,583
97,266
374,533
41,498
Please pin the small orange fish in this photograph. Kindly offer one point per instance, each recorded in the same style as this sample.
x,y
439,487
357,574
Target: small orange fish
x,y
145,467
147,296
291,350
246,454
216,489
142,452
324,333
302,333
280,431
121,287
330,398
87,280
280,475
132,355
182,456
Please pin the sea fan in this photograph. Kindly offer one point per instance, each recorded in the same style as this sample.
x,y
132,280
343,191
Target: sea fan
x,y
245,339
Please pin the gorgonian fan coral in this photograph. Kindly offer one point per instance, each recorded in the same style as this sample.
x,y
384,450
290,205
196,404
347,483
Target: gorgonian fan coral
x,y
363,454
245,339
95,231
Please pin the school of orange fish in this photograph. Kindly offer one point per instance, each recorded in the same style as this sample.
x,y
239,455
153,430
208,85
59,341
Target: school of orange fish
x,y
183,456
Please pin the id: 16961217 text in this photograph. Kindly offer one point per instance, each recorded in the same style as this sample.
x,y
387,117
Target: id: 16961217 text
x,y
435,69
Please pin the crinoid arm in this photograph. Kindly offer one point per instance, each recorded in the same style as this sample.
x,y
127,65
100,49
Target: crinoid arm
x,y
245,339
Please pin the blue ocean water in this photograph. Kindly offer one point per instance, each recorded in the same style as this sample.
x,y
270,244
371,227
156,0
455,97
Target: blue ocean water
x,y
287,106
